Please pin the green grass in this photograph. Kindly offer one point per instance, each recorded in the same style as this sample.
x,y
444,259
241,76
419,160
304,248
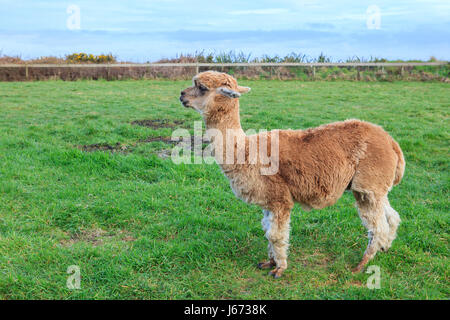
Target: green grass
x,y
141,227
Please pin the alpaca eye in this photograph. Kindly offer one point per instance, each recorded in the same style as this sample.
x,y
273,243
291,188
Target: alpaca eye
x,y
203,88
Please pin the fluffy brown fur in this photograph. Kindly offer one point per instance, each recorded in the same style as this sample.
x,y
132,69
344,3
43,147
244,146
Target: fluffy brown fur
x,y
316,166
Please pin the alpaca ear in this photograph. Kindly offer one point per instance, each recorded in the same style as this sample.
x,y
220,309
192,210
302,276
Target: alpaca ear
x,y
228,92
243,89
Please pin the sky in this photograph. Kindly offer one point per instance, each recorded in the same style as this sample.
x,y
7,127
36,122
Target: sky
x,y
141,31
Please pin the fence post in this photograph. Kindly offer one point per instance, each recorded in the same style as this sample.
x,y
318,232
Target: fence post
x,y
26,70
196,68
314,72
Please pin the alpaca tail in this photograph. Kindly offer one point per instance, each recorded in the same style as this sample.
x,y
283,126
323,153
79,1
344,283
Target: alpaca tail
x,y
400,170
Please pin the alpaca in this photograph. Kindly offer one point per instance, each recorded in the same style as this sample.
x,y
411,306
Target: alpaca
x,y
315,167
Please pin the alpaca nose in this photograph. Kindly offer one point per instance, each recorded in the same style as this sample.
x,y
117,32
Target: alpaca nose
x,y
182,94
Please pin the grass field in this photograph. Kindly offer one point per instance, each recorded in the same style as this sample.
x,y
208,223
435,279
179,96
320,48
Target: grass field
x,y
140,227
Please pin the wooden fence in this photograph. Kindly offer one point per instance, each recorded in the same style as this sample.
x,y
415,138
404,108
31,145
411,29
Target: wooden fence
x,y
196,66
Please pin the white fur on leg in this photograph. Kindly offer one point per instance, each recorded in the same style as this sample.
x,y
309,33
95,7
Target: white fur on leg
x,y
381,233
266,222
278,236
378,229
393,220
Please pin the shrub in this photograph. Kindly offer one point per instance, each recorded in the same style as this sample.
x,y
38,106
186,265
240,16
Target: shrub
x,y
90,58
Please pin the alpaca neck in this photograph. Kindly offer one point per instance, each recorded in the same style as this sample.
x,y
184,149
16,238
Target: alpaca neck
x,y
226,118
227,122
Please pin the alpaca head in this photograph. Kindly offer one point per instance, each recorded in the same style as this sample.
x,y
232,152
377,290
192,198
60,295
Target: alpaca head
x,y
211,90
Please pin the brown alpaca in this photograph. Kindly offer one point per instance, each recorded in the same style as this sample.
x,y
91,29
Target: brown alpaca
x,y
315,167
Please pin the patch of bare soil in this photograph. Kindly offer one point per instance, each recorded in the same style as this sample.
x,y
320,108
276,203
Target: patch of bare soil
x,y
163,153
96,237
157,123
166,153
117,147
150,123
167,140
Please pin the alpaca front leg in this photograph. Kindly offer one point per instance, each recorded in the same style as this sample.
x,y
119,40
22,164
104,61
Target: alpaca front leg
x,y
265,222
278,236
269,263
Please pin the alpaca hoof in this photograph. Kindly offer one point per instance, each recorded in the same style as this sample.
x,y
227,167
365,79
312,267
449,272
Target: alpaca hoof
x,y
263,265
266,264
361,265
357,269
276,273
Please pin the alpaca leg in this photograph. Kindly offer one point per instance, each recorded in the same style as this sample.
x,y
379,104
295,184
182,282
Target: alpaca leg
x,y
393,220
265,222
278,236
373,217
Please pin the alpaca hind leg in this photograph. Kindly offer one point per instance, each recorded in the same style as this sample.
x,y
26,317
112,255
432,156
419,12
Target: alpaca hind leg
x,y
372,214
393,220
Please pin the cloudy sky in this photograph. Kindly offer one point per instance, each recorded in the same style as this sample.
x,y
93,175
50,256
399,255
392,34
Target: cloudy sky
x,y
140,31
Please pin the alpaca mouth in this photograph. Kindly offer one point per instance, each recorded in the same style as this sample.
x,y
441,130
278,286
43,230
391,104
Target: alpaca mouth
x,y
184,102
